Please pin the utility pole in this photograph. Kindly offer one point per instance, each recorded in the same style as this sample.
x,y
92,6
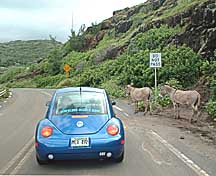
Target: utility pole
x,y
72,22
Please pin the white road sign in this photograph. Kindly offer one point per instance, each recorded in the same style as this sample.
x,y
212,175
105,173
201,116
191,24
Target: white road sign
x,y
155,60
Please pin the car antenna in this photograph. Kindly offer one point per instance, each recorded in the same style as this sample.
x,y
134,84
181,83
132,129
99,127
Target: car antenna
x,y
80,83
80,68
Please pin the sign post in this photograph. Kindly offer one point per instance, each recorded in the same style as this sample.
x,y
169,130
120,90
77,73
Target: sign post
x,y
67,69
155,62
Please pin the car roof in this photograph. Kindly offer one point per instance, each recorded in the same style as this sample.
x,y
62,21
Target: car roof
x,y
77,89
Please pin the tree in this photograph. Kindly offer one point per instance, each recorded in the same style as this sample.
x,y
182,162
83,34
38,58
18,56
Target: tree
x,y
77,41
54,62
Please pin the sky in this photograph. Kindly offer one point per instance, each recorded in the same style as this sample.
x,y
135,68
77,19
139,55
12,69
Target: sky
x,y
37,19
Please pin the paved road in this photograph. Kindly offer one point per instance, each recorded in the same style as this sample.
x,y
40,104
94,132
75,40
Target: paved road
x,y
153,145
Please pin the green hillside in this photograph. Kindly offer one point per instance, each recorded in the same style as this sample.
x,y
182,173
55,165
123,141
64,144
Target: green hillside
x,y
116,52
25,52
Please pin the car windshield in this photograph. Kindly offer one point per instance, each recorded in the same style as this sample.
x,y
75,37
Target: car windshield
x,y
80,103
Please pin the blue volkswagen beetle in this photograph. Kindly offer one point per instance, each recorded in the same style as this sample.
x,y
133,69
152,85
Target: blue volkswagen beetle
x,y
79,124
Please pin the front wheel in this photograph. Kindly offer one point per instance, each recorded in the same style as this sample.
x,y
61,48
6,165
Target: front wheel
x,y
120,159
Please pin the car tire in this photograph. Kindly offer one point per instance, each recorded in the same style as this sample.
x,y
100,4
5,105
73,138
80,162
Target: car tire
x,y
120,159
41,162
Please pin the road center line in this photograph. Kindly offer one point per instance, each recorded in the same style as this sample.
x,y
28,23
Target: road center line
x,y
126,114
180,155
157,161
22,162
116,107
17,156
46,93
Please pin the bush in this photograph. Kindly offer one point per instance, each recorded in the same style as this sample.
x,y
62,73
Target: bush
x,y
9,75
211,105
211,108
47,81
208,67
161,101
65,83
181,64
174,83
23,84
213,89
113,89
155,38
164,101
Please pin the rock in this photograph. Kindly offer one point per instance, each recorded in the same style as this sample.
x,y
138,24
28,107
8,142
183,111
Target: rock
x,y
106,25
182,137
133,11
123,26
200,21
105,54
99,36
119,12
208,47
158,13
200,34
109,53
156,3
79,66
93,40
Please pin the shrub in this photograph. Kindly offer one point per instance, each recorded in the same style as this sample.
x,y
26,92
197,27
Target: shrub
x,y
213,89
10,74
23,84
65,83
157,101
155,38
174,83
47,81
113,89
181,64
211,108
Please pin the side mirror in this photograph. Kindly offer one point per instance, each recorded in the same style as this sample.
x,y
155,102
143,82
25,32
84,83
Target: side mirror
x,y
48,103
113,103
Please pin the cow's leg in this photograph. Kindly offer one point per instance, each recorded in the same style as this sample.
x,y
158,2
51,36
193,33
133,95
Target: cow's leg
x,y
129,100
195,113
150,107
145,107
191,117
174,107
178,111
136,107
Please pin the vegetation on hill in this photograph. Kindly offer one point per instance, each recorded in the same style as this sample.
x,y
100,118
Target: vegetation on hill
x,y
116,52
16,53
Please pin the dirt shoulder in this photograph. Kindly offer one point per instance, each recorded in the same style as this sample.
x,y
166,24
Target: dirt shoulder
x,y
203,127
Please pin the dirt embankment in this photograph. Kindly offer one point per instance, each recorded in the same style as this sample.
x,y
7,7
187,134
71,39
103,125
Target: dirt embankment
x,y
203,127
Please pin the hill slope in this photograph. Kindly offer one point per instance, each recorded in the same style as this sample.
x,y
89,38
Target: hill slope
x,y
116,52
25,52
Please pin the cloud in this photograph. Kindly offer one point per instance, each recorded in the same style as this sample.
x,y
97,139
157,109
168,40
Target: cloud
x,y
31,19
23,4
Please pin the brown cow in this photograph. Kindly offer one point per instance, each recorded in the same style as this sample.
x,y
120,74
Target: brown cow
x,y
140,94
180,97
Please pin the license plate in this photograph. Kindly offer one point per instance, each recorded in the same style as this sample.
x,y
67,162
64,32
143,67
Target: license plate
x,y
79,142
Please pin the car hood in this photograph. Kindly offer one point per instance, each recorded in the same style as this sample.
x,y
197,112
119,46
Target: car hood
x,y
80,124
